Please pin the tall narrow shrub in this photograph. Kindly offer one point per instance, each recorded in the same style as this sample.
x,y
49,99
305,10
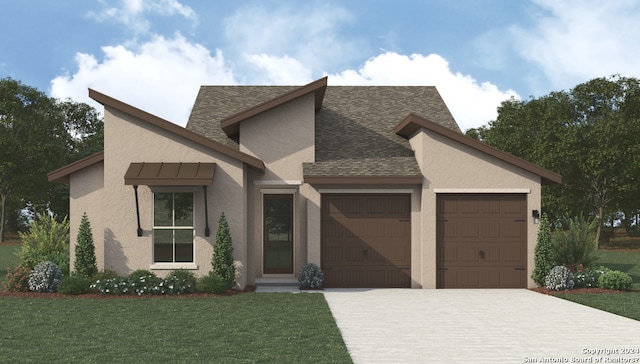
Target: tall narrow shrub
x,y
222,262
543,259
85,262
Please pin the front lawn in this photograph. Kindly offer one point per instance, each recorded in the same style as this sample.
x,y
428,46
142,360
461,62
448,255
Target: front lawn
x,y
251,327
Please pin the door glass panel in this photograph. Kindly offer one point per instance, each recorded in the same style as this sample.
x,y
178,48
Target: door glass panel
x,y
278,234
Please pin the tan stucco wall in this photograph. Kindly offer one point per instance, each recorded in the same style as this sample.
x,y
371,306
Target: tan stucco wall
x,y
283,138
449,165
86,195
128,140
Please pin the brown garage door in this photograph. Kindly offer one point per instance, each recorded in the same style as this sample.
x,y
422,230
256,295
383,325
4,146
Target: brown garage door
x,y
481,241
366,240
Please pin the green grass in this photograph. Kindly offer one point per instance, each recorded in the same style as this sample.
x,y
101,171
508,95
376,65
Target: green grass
x,y
625,304
247,328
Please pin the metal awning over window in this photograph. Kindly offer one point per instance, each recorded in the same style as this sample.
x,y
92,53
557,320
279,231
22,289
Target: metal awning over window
x,y
170,174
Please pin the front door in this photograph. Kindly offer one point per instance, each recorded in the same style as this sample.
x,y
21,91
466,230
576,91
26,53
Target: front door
x,y
278,234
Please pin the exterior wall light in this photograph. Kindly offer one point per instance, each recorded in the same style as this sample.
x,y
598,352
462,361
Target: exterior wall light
x,y
536,216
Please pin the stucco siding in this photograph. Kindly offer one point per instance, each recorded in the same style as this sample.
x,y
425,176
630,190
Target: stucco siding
x,y
452,167
86,196
128,140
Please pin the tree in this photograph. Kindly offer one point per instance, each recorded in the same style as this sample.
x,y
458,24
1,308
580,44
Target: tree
x,y
222,263
544,258
85,262
37,135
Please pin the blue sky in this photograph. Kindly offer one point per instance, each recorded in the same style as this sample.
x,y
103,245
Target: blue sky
x,y
154,54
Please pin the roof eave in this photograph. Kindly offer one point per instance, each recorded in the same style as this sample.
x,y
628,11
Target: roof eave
x,y
413,123
105,100
231,125
63,174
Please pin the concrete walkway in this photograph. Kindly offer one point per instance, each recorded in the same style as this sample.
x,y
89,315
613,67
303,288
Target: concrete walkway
x,y
477,326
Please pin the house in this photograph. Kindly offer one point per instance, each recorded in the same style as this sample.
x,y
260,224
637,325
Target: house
x,y
377,185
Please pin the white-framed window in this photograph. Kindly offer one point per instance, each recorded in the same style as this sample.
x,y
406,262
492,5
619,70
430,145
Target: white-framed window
x,y
173,227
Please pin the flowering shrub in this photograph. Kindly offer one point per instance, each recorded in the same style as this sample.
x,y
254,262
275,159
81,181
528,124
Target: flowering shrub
x,y
615,279
583,277
559,278
45,277
310,276
142,285
17,279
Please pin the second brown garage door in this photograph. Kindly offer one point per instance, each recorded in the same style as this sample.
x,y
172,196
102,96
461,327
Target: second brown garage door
x,y
481,241
366,240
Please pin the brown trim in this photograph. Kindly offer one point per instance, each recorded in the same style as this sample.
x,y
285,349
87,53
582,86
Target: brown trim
x,y
177,130
412,123
170,174
364,180
231,125
63,174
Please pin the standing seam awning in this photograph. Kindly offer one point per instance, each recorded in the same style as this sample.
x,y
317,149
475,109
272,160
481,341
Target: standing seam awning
x,y
170,174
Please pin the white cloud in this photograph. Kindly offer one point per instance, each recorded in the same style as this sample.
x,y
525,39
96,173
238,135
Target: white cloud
x,y
314,35
161,76
472,104
132,13
279,70
574,41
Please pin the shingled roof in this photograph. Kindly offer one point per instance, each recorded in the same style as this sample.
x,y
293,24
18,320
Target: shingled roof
x,y
354,128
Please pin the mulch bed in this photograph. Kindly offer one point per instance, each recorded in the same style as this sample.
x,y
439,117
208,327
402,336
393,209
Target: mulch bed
x,y
231,292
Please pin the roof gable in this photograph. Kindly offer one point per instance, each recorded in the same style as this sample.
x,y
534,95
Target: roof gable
x,y
177,130
63,174
413,123
231,125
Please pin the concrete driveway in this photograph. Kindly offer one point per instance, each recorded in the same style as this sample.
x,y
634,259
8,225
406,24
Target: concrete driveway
x,y
478,326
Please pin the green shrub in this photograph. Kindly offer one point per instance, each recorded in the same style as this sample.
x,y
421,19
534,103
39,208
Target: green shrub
x,y
45,277
104,275
615,279
559,278
575,244
211,283
142,285
111,286
85,262
222,262
74,285
137,274
17,279
544,258
47,240
187,277
310,276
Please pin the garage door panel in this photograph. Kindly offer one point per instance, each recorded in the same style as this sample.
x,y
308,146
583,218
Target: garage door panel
x,y
378,240
481,240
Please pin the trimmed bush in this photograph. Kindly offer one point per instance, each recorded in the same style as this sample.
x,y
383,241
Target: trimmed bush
x,y
559,278
222,262
186,277
139,273
85,261
141,284
74,285
111,286
45,277
544,258
104,275
576,244
47,240
615,279
17,279
310,276
211,283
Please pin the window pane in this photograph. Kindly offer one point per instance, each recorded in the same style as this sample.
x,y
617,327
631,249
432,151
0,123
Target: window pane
x,y
184,245
183,208
162,209
163,245
278,217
